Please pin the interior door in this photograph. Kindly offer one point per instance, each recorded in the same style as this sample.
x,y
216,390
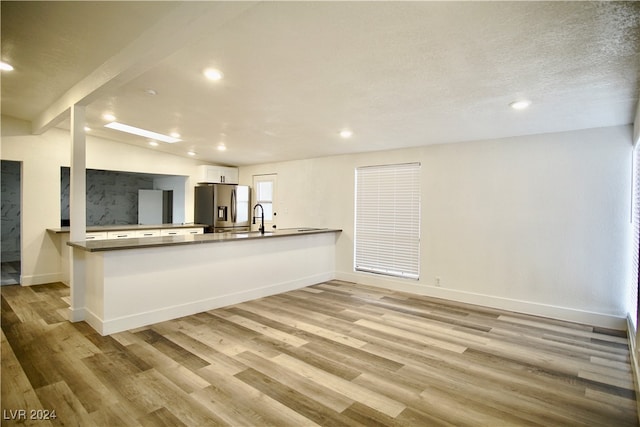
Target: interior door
x,y
264,190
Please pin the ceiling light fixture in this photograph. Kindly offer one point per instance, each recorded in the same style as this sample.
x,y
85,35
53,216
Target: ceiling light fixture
x,y
87,128
141,132
222,147
520,105
346,134
191,153
153,143
175,135
213,74
109,117
5,66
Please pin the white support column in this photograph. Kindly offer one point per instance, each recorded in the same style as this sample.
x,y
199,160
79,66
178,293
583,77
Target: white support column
x,y
77,212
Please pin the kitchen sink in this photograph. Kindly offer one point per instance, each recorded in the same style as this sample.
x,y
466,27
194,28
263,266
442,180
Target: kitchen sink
x,y
270,233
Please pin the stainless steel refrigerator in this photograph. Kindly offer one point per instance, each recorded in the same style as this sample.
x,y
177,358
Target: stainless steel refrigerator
x,y
222,207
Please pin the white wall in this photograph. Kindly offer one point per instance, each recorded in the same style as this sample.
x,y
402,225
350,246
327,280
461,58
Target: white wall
x,y
536,224
41,157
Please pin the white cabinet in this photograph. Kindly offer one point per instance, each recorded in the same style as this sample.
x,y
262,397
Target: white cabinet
x,y
217,175
99,235
181,231
151,232
230,175
194,230
147,233
172,232
125,234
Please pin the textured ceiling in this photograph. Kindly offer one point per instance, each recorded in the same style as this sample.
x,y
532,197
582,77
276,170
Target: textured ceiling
x,y
398,74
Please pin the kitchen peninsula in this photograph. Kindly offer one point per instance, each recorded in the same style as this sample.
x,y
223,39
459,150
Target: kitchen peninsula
x,y
135,282
119,231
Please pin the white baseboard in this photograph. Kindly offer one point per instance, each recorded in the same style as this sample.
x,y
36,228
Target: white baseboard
x,y
519,306
111,326
76,314
40,279
94,321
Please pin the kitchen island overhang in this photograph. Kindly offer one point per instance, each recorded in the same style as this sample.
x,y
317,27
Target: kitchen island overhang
x,y
131,283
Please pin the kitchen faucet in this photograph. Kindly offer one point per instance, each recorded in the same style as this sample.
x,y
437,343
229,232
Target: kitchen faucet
x,y
261,217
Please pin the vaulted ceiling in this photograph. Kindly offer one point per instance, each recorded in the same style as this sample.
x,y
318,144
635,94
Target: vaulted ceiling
x,y
397,74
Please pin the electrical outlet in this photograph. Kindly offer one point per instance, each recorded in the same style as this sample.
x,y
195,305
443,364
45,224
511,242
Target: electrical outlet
x,y
438,281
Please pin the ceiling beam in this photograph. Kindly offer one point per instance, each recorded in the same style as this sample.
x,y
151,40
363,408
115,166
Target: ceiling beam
x,y
188,21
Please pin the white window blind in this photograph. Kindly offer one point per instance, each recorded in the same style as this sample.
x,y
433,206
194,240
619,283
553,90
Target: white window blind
x,y
387,228
632,305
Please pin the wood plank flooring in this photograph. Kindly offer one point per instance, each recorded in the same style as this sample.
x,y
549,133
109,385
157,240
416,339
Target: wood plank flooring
x,y
334,354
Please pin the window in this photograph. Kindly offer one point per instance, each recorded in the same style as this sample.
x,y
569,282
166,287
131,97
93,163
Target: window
x,y
265,190
387,228
632,308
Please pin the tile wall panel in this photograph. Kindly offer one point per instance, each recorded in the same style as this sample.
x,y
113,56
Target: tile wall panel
x,y
112,197
10,195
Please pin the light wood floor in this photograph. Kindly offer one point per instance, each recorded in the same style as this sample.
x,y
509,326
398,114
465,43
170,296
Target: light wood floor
x,y
334,354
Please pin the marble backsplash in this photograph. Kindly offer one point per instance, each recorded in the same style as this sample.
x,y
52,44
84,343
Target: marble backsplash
x,y
10,199
112,197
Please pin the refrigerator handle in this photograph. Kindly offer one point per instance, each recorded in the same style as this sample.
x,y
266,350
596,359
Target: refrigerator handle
x,y
233,205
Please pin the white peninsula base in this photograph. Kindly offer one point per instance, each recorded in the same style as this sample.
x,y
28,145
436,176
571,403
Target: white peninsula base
x,y
125,289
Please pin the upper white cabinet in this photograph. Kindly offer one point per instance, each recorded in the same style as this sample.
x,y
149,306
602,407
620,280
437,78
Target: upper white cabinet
x,y
217,175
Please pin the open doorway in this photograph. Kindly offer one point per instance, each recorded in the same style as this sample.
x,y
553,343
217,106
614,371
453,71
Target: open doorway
x,y
10,222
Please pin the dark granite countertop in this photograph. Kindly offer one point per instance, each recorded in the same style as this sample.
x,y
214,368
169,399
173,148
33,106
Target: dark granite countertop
x,y
149,242
126,227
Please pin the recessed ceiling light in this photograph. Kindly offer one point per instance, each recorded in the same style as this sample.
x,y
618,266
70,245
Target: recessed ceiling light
x,y
141,132
346,133
174,135
151,92
5,66
87,128
109,117
222,147
520,105
153,143
213,74
191,153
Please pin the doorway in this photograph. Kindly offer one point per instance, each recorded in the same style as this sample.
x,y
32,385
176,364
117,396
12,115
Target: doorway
x,y
264,193
10,196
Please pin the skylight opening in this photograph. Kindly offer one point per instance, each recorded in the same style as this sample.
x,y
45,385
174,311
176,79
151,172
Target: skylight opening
x,y
142,132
